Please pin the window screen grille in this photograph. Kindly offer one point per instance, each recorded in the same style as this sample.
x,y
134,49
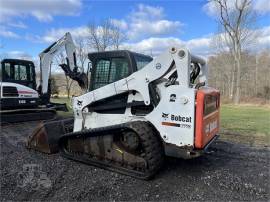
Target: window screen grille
x,y
109,71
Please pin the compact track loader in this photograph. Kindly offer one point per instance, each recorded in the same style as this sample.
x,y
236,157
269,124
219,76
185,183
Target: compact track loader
x,y
137,110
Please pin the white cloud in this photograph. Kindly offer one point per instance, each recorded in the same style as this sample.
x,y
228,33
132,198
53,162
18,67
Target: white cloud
x,y
155,46
18,55
55,34
120,23
18,24
143,22
199,46
147,21
264,39
260,6
4,32
211,8
43,10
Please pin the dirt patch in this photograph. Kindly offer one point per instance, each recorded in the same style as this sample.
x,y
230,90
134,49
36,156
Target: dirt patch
x,y
232,171
257,140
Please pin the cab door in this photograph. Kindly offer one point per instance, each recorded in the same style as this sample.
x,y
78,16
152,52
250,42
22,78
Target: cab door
x,y
109,70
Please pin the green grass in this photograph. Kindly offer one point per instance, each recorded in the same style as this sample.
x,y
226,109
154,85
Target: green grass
x,y
63,100
241,119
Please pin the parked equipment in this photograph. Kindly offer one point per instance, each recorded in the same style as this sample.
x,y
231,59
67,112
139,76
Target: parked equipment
x,y
137,110
20,98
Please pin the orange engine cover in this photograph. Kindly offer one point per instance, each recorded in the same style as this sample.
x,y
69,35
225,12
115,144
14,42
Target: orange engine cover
x,y
207,116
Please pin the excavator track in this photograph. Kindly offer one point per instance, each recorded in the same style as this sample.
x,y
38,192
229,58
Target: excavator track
x,y
131,148
24,115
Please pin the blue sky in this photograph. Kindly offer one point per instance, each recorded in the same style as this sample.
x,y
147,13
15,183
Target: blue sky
x,y
29,26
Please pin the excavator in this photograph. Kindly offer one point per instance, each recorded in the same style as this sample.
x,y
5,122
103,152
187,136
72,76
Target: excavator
x,y
20,98
137,110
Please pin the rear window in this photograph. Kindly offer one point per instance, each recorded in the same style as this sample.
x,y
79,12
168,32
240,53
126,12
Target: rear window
x,y
142,61
210,104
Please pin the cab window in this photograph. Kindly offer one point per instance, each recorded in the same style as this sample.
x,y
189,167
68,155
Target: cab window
x,y
31,72
20,72
142,61
110,70
102,73
6,71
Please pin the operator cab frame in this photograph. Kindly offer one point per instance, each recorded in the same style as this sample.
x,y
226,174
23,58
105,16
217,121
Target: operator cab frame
x,y
18,71
111,66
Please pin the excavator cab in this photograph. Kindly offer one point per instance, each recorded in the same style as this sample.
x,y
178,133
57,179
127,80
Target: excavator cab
x,y
19,71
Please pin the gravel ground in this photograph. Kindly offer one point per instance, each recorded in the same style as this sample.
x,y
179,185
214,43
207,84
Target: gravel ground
x,y
232,171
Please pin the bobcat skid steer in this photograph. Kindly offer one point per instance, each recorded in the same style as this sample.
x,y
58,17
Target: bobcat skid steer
x,y
137,110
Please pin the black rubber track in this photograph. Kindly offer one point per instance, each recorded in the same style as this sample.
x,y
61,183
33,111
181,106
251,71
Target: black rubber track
x,y
151,144
24,115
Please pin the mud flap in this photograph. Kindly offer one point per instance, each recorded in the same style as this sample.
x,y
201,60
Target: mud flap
x,y
46,135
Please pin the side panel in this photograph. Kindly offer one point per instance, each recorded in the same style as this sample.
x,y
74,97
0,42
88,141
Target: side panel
x,y
207,116
174,115
17,96
97,120
14,103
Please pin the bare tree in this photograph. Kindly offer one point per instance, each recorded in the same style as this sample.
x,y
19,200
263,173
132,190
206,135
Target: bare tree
x,y
60,59
117,36
104,36
254,65
54,86
81,51
235,21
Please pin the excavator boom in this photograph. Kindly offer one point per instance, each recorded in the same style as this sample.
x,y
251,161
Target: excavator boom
x,y
70,68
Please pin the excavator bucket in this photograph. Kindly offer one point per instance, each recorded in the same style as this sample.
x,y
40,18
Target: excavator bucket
x,y
46,135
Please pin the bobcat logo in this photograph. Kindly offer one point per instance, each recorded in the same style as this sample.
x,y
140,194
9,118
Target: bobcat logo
x,y
164,115
79,103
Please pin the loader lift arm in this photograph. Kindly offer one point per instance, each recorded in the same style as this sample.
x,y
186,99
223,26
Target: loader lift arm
x,y
71,69
169,62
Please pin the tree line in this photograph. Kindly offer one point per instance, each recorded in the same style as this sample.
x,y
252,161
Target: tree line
x,y
254,75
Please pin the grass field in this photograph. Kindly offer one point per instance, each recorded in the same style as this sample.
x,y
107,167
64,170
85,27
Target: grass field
x,y
242,123
68,103
251,120
246,124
